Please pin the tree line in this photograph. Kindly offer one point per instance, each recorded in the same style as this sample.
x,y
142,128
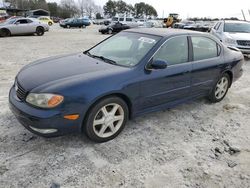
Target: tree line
x,y
71,8
111,8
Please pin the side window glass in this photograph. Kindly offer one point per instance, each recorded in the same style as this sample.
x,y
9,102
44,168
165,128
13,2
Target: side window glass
x,y
174,51
22,21
220,27
204,48
215,26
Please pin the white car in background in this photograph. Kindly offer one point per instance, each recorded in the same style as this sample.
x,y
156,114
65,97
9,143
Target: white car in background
x,y
233,34
22,26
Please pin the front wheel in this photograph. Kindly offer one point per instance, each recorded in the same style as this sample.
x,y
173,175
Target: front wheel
x,y
110,31
106,119
5,33
220,89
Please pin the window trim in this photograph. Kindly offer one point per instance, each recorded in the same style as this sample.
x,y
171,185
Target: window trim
x,y
217,45
146,67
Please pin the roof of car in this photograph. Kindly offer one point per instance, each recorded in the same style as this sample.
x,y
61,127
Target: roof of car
x,y
162,31
235,21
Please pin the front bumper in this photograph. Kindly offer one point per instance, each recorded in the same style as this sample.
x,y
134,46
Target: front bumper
x,y
43,122
245,51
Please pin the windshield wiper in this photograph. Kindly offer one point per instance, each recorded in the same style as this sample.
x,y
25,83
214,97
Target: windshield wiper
x,y
110,61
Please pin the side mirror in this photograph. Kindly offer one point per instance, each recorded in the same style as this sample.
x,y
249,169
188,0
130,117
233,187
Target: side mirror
x,y
17,23
158,64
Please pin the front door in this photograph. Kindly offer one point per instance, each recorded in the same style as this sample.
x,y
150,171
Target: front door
x,y
173,83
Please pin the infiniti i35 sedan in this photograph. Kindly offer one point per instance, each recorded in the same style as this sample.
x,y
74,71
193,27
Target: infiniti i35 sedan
x,y
22,26
134,72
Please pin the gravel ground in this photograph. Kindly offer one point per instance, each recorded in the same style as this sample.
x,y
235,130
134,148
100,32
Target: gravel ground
x,y
192,145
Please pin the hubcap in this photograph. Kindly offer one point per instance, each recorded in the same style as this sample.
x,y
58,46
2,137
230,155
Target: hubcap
x,y
221,88
108,120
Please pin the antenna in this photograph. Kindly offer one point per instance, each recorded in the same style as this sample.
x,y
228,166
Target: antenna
x,y
243,14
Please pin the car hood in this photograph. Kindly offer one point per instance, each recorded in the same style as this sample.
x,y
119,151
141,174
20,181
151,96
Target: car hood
x,y
3,25
75,66
239,36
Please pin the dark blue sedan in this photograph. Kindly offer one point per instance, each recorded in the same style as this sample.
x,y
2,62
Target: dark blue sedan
x,y
131,73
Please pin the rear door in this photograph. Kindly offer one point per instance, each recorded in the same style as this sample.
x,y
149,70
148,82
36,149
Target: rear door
x,y
206,64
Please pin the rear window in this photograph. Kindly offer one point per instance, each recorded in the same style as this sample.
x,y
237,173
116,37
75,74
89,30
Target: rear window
x,y
204,48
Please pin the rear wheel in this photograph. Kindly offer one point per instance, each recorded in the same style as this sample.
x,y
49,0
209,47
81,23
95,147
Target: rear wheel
x,y
5,33
220,89
40,31
50,23
106,119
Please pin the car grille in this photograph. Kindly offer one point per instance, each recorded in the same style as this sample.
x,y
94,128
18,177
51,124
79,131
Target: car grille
x,y
20,91
243,42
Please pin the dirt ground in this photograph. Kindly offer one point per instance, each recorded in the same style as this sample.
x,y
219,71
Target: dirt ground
x,y
192,145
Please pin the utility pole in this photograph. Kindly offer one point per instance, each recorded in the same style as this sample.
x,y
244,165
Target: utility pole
x,y
243,14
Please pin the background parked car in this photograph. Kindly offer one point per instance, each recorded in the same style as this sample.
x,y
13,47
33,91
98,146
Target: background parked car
x,y
233,33
22,26
113,28
75,22
56,19
46,20
153,23
198,26
183,23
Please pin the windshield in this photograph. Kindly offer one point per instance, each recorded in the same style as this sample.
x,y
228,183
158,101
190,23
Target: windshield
x,y
125,49
237,27
9,21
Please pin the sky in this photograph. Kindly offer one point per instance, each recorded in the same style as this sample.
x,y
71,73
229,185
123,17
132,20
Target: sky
x,y
194,8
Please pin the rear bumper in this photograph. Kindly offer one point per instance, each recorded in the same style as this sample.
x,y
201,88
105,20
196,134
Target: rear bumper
x,y
47,123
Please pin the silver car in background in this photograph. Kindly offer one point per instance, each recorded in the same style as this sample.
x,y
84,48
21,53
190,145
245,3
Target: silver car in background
x,y
22,26
233,34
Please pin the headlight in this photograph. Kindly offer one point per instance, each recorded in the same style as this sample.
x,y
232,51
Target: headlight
x,y
230,41
44,100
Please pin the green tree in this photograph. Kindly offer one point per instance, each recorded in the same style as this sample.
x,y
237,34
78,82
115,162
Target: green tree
x,y
144,9
98,16
53,9
110,8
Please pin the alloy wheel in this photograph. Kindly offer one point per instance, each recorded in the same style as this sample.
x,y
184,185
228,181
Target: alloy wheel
x,y
108,120
221,87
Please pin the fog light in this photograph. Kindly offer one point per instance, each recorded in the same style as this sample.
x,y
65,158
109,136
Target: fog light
x,y
44,131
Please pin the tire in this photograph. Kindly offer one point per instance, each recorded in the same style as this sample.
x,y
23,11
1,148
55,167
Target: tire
x,y
5,33
40,31
100,125
110,31
50,23
220,88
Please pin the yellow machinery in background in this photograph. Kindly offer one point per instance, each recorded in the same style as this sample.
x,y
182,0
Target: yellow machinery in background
x,y
171,20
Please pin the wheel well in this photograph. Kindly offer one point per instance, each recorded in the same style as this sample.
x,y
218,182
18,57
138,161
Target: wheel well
x,y
40,27
5,29
230,74
122,96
